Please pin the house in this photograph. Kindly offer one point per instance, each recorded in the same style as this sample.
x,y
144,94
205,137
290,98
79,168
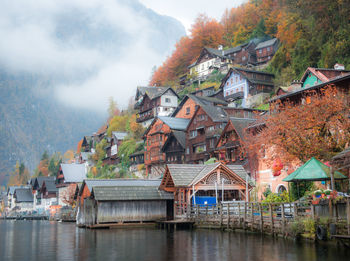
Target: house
x,y
36,185
67,180
266,50
10,196
243,54
246,88
303,95
174,147
315,76
48,193
23,199
190,103
155,136
112,148
154,101
203,132
208,60
191,182
87,144
125,204
229,148
137,158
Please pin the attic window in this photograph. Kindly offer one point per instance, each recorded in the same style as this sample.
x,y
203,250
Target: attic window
x,y
167,100
188,110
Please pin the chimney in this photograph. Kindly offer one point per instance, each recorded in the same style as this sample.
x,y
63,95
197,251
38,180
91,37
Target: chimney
x,y
339,66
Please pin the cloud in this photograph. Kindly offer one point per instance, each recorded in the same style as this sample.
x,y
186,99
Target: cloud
x,y
92,49
186,11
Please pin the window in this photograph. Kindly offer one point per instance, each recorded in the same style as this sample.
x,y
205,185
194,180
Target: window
x,y
210,128
268,49
188,110
167,100
260,51
201,117
231,80
243,58
211,143
187,150
193,134
227,83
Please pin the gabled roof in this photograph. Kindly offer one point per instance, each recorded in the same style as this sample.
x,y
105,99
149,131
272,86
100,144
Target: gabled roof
x,y
130,193
324,75
119,135
216,52
73,172
266,43
241,124
23,195
152,92
180,136
40,180
199,101
184,175
175,123
11,190
50,185
91,183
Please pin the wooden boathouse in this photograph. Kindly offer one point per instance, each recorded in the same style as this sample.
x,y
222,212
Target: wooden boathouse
x,y
125,204
188,182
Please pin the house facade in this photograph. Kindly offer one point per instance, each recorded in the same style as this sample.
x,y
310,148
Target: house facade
x,y
246,88
154,101
155,137
174,148
203,132
266,50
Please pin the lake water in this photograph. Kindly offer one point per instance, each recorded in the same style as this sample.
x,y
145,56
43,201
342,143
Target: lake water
x,y
44,240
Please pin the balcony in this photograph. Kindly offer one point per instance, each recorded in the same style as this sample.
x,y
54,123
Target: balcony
x,y
144,116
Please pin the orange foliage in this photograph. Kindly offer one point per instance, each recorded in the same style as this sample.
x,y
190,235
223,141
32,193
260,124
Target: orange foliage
x,y
319,129
79,145
43,167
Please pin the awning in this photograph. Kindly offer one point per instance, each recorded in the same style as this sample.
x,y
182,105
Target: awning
x,y
313,170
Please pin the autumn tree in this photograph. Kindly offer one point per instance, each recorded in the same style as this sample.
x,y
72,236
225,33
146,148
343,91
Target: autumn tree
x,y
113,109
318,127
19,176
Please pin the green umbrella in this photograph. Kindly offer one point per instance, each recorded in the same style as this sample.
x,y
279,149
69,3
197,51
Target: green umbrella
x,y
313,170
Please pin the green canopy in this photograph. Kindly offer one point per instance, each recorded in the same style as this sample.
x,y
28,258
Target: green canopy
x,y
313,170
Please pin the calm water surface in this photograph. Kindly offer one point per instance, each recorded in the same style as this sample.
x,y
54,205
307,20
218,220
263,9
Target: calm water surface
x,y
44,240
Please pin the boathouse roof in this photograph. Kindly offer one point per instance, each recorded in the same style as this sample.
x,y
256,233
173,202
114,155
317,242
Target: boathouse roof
x,y
130,193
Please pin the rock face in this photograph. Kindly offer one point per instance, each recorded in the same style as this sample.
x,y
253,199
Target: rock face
x,y
32,118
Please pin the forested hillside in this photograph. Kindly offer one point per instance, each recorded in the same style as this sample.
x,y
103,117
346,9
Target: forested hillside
x,y
312,33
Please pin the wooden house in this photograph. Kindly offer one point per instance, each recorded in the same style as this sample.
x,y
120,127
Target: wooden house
x,y
48,193
315,76
266,50
229,148
23,199
37,185
154,101
204,92
190,103
203,132
208,60
137,158
87,144
155,137
67,180
243,54
112,148
174,147
125,204
246,88
188,181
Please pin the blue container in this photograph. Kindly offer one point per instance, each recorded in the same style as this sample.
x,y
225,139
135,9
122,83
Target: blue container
x,y
203,200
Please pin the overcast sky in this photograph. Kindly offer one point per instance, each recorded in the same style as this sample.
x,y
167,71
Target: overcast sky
x,y
186,11
31,42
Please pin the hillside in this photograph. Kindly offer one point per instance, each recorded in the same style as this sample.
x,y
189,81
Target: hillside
x,y
312,33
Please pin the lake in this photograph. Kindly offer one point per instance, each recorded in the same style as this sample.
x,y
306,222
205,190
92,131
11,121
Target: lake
x,y
45,240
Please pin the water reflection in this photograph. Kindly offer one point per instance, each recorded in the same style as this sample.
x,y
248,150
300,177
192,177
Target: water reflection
x,y
42,240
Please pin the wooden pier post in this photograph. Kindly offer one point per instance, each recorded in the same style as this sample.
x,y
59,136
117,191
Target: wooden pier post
x,y
252,211
220,208
283,220
261,218
239,214
348,214
245,215
271,218
228,215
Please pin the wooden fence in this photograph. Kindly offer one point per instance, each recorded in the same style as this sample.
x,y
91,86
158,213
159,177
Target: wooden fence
x,y
265,217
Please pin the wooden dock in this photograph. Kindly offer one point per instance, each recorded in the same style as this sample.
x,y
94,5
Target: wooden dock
x,y
176,224
121,225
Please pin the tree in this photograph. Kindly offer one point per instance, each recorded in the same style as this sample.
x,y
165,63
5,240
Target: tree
x,y
113,109
68,156
319,127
